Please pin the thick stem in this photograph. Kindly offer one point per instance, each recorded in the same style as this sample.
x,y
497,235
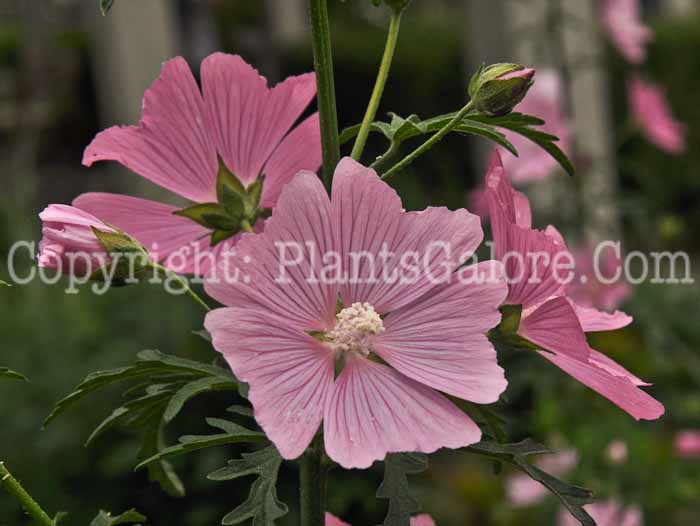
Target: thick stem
x,y
430,142
183,283
312,478
30,506
325,84
382,76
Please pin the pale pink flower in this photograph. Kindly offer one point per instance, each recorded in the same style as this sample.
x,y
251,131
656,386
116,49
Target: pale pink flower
x,y
418,520
617,452
609,513
587,290
622,21
546,101
687,444
69,244
522,490
399,338
652,111
177,145
535,264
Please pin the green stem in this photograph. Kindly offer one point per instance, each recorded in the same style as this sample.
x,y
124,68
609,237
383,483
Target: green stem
x,y
312,479
430,142
387,156
30,506
325,85
183,283
392,38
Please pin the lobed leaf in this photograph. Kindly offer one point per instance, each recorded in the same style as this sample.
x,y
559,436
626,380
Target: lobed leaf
x,y
129,517
395,487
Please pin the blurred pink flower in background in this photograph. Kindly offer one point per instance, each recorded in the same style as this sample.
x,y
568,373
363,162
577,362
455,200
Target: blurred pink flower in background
x,y
419,520
177,145
652,111
622,21
687,444
69,243
617,452
522,490
586,290
608,513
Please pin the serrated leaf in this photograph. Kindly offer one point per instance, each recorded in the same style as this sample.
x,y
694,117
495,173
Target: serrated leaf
x,y
262,505
233,434
128,517
395,487
105,6
193,389
14,375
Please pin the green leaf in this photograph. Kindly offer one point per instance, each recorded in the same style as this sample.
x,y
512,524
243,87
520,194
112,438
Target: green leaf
x,y
193,389
4,284
573,497
262,505
105,6
129,517
14,375
395,487
233,434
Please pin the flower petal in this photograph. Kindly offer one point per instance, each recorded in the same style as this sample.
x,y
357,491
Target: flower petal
x,y
290,373
171,146
280,269
554,326
332,520
422,520
249,119
440,339
594,320
299,151
619,390
375,410
611,366
392,257
513,204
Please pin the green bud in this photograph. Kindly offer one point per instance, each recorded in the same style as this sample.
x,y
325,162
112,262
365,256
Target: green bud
x,y
116,244
495,90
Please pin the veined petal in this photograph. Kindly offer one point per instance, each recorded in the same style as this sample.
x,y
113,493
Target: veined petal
x,y
375,410
171,146
594,320
554,327
290,373
440,339
249,119
604,362
332,520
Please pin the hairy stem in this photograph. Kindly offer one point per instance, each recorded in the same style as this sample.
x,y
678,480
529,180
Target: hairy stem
x,y
382,76
325,84
312,478
30,506
430,142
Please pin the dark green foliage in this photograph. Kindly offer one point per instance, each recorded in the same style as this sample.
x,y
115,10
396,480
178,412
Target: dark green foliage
x,y
395,487
9,373
128,517
105,6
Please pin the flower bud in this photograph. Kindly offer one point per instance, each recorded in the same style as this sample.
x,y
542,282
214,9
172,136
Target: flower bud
x,y
77,243
495,90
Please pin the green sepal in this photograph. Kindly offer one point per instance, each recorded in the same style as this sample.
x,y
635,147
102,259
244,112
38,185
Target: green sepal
x,y
506,336
117,242
209,215
226,181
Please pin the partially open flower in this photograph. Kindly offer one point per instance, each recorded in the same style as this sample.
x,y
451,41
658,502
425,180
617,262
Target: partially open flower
x,y
497,89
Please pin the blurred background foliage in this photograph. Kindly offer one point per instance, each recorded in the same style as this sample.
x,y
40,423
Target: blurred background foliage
x,y
58,87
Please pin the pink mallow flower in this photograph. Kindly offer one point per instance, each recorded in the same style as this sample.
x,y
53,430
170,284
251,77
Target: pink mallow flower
x,y
608,513
535,263
179,140
621,19
522,490
652,111
589,291
335,320
419,520
69,244
687,444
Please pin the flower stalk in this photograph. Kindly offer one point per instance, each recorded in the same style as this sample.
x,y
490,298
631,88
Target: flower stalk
x,y
312,477
183,283
325,85
382,76
30,506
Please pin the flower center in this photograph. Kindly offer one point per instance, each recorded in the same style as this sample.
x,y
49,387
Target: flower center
x,y
354,329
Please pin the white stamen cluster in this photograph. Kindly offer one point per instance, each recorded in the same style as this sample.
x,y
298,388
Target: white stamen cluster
x,y
354,329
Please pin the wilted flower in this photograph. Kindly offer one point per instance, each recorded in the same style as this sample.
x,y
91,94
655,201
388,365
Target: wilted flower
x,y
548,319
495,90
653,112
621,19
522,490
176,144
609,513
687,444
337,302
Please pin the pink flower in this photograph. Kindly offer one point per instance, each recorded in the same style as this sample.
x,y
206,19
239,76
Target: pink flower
x,y
177,143
617,452
534,262
419,520
653,112
609,513
546,101
587,290
325,287
69,244
621,19
688,444
522,490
